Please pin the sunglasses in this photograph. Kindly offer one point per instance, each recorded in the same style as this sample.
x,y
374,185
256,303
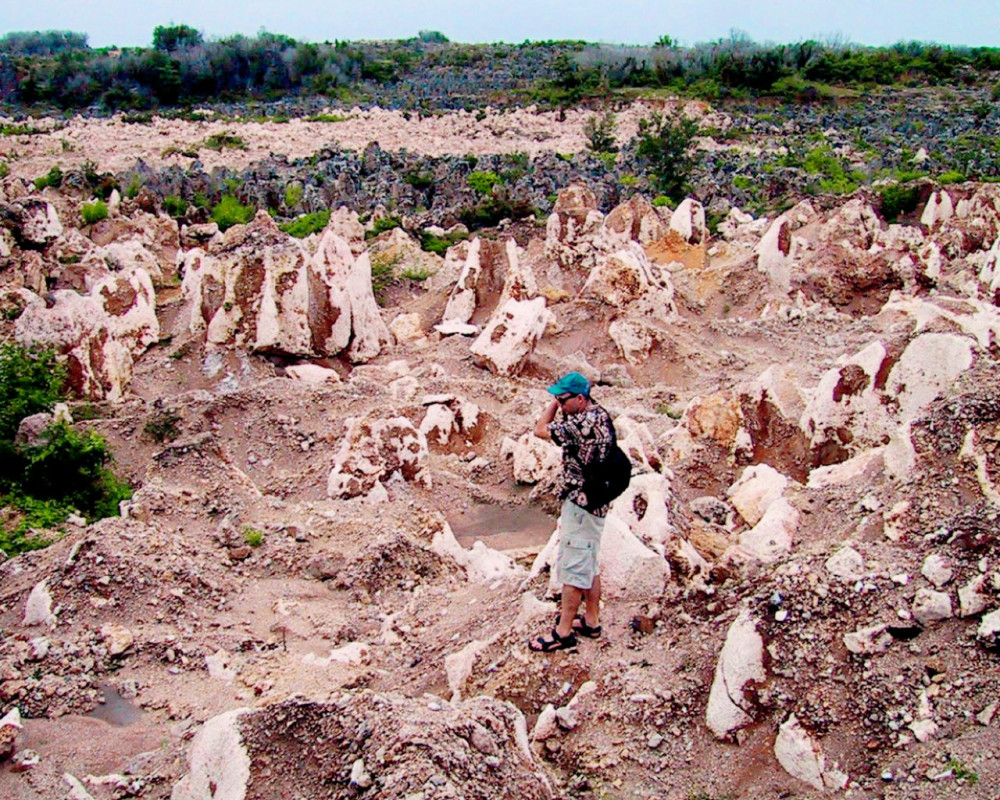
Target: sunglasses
x,y
565,398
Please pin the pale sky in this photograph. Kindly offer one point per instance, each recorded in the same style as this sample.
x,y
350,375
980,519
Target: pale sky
x,y
874,22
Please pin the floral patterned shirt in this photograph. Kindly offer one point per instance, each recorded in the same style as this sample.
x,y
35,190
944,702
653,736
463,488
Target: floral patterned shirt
x,y
583,437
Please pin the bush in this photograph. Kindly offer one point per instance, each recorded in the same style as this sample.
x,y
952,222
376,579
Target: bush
x,y
94,212
229,211
63,471
382,225
293,194
898,200
951,176
175,206
253,536
483,182
53,178
432,243
302,226
664,147
223,141
71,467
30,382
600,133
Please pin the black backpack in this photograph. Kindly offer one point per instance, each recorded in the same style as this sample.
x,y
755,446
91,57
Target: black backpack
x,y
605,479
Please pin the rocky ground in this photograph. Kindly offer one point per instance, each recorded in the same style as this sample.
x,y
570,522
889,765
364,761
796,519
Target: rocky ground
x,y
339,541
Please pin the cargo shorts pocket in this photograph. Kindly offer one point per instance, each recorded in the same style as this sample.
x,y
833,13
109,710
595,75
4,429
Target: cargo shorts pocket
x,y
577,565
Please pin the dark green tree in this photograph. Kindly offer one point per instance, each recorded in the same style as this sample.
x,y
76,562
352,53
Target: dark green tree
x,y
664,148
174,37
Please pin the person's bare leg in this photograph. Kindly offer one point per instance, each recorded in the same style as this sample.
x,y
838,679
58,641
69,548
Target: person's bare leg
x,y
571,597
592,607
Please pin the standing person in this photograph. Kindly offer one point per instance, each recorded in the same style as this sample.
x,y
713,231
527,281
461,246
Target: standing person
x,y
585,433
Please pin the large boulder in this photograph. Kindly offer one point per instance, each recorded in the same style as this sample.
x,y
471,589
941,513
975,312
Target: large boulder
x,y
509,339
262,290
33,221
482,280
98,335
738,672
572,226
385,746
374,450
635,220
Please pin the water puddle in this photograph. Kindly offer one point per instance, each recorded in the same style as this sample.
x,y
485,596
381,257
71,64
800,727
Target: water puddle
x,y
116,710
502,527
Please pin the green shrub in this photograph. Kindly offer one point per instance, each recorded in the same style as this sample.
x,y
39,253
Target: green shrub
x,y
253,536
223,141
382,225
71,467
229,211
951,176
416,273
440,244
53,178
419,180
483,182
303,225
175,206
30,382
4,169
293,194
328,118
162,427
897,200
132,190
94,212
664,147
600,133
34,514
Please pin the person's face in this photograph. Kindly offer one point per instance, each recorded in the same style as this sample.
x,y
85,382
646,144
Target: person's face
x,y
570,403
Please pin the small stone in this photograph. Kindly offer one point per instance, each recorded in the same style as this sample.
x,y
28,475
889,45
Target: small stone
x,y
930,606
887,775
846,564
359,775
240,552
989,629
23,760
781,615
654,740
937,570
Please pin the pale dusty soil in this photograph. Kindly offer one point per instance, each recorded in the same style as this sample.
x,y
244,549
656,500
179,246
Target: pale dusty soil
x,y
114,145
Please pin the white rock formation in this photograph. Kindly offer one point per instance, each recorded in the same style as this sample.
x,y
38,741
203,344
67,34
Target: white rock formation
x,y
870,640
740,664
755,490
535,459
846,564
220,764
509,339
802,758
38,608
688,220
373,450
772,537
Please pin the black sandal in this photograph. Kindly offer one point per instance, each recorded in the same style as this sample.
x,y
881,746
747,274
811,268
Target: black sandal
x,y
557,642
581,627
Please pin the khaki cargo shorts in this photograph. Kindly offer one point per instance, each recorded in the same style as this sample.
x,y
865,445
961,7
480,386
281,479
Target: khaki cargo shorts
x,y
579,545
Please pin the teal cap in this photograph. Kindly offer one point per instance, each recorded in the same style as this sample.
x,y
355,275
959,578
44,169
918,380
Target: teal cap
x,y
571,383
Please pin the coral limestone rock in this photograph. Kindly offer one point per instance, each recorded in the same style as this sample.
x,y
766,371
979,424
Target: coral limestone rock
x,y
373,450
509,339
740,666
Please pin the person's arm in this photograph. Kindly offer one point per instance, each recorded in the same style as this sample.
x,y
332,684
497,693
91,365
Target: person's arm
x,y
549,414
